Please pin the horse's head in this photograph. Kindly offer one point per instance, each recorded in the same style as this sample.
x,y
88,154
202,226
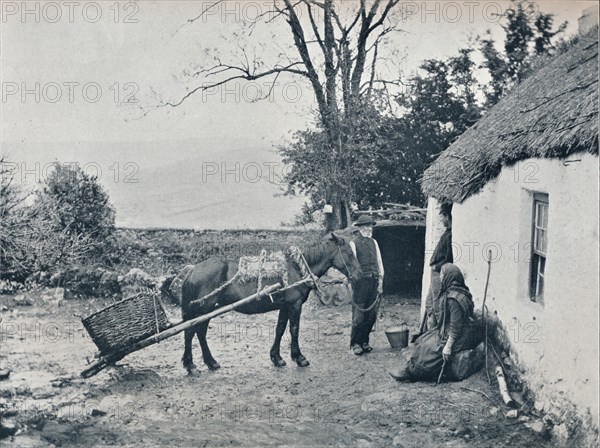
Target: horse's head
x,y
343,258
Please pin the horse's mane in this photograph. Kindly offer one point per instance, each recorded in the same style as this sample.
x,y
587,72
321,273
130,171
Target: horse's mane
x,y
315,251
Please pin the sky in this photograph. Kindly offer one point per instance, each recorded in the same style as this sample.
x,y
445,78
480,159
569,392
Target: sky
x,y
80,79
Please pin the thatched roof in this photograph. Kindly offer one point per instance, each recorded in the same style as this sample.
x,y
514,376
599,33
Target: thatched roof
x,y
552,114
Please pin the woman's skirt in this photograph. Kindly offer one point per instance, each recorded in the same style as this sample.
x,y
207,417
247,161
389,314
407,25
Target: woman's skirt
x,y
423,360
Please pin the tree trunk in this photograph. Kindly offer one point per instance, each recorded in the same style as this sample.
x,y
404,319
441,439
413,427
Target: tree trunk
x,y
348,218
340,218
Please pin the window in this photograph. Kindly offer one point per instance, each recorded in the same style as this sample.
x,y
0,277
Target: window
x,y
539,247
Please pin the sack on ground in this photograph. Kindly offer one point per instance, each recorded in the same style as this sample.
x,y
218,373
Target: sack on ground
x,y
426,359
466,363
400,368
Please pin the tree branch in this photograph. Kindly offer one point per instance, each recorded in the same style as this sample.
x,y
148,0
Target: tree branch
x,y
314,27
244,75
300,43
204,11
373,66
388,7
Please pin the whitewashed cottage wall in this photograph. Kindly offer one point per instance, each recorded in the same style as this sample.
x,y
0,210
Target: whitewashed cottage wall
x,y
433,232
556,344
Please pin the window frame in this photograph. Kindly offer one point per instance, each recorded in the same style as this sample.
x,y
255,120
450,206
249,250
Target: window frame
x,y
538,256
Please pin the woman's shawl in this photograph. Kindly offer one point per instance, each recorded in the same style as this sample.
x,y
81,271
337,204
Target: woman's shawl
x,y
453,287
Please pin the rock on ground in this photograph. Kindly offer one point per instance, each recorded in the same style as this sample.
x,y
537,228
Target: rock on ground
x,y
335,287
53,296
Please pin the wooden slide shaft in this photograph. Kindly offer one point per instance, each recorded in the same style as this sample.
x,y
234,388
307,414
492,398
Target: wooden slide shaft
x,y
105,360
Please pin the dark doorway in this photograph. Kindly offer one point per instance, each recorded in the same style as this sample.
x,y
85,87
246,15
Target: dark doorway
x,y
402,245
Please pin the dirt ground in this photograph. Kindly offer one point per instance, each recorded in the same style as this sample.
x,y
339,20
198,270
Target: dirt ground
x,y
148,400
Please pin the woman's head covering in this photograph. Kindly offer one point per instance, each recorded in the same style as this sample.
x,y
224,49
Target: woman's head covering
x,y
452,276
453,286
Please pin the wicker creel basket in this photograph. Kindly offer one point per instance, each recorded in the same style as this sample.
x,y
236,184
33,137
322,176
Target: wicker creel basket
x,y
118,326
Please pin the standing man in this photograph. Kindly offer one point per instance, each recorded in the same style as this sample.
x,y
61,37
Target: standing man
x,y
367,288
441,255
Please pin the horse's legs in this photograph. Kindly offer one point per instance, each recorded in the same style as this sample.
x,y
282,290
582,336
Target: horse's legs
x,y
279,330
294,314
202,329
188,362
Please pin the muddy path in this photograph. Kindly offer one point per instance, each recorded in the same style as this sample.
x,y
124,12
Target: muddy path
x,y
148,400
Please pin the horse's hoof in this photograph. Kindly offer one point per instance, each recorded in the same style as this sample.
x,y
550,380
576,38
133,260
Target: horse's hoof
x,y
302,361
278,362
214,366
193,371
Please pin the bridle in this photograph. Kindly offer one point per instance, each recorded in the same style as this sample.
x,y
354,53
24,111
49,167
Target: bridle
x,y
300,261
312,276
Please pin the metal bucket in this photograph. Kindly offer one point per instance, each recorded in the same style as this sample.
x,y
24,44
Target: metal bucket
x,y
397,336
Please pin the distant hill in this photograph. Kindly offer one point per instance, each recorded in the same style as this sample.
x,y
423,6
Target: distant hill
x,y
179,184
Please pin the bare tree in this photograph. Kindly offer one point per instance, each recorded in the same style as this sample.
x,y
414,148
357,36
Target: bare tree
x,y
337,53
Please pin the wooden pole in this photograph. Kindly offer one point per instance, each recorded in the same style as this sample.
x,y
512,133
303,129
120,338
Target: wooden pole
x,y
104,361
441,372
487,282
506,398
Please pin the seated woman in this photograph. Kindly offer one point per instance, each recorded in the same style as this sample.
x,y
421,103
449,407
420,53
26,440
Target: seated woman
x,y
456,331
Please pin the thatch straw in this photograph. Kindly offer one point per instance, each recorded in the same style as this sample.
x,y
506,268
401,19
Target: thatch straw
x,y
552,114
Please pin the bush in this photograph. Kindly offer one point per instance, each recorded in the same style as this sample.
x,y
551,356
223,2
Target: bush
x,y
76,203
74,210
69,222
15,226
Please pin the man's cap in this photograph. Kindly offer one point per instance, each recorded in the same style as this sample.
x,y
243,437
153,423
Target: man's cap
x,y
364,220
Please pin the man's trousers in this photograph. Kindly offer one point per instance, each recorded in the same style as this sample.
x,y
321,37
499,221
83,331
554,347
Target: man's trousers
x,y
364,294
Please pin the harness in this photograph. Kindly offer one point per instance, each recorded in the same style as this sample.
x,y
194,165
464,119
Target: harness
x,y
296,256
272,266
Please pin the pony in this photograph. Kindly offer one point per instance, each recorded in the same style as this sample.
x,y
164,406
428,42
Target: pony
x,y
220,274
